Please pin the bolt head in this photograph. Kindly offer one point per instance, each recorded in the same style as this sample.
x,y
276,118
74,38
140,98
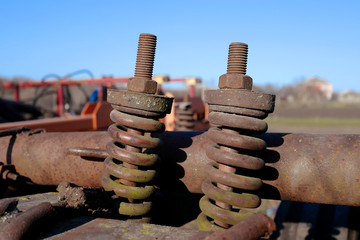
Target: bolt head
x,y
235,81
142,85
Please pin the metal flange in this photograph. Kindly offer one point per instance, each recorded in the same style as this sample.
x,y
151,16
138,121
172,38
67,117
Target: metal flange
x,y
241,98
142,101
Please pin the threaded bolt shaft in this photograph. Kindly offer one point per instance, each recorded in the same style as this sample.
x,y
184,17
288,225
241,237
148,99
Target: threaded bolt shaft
x,y
237,58
145,56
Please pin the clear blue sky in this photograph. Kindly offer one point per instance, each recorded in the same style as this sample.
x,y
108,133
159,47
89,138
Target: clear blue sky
x,y
288,40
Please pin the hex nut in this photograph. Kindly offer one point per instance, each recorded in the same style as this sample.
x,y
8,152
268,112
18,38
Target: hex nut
x,y
235,81
142,85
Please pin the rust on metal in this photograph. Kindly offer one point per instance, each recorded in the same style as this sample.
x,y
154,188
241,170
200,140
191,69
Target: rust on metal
x,y
235,81
240,111
233,134
184,117
235,77
138,112
7,171
88,152
241,98
237,58
46,158
28,222
142,81
141,85
101,228
252,228
136,122
90,199
6,204
129,167
122,179
293,166
12,131
141,101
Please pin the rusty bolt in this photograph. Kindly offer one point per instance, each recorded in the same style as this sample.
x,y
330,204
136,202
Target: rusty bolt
x,y
142,81
235,77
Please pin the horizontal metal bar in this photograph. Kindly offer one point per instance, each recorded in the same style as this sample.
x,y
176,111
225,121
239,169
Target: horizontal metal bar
x,y
74,123
299,167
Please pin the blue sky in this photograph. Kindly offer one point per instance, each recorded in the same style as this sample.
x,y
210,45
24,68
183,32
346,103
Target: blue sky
x,y
288,40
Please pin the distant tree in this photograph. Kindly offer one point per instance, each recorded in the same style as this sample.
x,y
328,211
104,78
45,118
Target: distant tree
x,y
4,79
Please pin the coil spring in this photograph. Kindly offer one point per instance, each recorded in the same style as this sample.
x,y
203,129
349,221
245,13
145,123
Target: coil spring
x,y
128,171
233,151
185,118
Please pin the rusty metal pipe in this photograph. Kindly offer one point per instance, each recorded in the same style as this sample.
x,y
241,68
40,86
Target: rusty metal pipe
x,y
28,222
299,167
251,228
46,158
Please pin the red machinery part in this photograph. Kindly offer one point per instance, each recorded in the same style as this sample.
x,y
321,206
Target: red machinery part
x,y
94,116
103,81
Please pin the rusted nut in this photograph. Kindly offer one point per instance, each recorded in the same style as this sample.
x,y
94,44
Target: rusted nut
x,y
142,85
235,81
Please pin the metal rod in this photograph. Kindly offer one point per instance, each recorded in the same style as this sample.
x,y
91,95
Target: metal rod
x,y
299,167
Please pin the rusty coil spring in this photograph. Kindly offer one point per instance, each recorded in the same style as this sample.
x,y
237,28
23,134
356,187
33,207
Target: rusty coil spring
x,y
234,151
128,167
185,118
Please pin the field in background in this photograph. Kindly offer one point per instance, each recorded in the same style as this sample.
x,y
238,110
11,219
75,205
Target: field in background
x,y
327,117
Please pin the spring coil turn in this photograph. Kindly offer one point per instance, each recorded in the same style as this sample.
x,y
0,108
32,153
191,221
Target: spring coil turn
x,y
185,118
128,167
233,151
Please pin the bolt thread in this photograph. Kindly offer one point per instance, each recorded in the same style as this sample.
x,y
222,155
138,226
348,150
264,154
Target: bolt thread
x,y
145,56
237,58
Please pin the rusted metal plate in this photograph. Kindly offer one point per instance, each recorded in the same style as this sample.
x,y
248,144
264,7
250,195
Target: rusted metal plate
x,y
241,98
252,228
35,209
101,228
32,209
142,101
82,227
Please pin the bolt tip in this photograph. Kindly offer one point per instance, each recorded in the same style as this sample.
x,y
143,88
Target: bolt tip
x,y
238,44
237,58
145,56
149,35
